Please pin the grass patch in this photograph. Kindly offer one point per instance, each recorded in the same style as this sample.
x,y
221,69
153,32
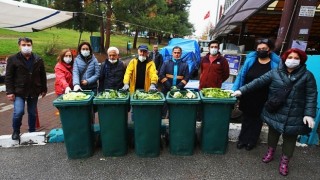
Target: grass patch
x,y
48,43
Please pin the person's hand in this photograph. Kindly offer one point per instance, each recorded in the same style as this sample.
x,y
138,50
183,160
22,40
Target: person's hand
x,y
152,87
43,94
67,90
237,93
309,120
84,82
77,88
11,97
125,87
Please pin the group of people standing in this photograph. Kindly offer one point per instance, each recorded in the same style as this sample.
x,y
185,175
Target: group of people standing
x,y
263,75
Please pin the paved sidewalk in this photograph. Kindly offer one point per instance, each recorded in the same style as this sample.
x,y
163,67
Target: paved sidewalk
x,y
48,116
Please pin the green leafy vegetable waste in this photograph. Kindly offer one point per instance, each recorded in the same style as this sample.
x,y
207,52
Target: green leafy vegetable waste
x,y
75,96
215,93
182,94
140,95
111,94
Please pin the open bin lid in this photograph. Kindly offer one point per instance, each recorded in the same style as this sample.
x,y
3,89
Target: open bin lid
x,y
172,100
63,103
231,100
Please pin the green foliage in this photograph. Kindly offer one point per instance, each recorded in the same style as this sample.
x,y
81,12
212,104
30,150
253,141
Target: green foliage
x,y
52,46
64,38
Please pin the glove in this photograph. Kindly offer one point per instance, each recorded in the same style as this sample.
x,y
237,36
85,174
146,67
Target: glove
x,y
77,88
67,90
152,87
309,120
237,93
125,87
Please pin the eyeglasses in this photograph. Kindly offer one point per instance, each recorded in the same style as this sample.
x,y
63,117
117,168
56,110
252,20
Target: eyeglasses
x,y
176,52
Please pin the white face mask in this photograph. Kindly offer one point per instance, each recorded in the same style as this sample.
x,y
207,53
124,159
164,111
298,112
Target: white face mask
x,y
26,49
142,58
112,61
85,53
213,51
292,63
67,60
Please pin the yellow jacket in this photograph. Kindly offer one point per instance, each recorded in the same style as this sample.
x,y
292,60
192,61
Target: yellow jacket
x,y
151,76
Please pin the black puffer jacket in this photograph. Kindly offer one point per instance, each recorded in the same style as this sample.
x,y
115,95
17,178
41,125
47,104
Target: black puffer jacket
x,y
302,100
20,81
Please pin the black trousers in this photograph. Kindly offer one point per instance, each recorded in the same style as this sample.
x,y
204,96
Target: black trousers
x,y
250,129
289,141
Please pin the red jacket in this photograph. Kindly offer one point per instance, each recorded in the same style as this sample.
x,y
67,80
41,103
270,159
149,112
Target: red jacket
x,y
63,73
215,73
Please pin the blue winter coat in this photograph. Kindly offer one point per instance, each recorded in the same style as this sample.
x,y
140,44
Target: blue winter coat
x,y
302,100
91,75
250,59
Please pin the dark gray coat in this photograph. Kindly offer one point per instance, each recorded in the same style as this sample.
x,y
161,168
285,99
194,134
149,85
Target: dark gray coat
x,y
302,100
20,81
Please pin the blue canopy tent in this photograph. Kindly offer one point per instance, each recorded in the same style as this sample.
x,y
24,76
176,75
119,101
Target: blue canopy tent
x,y
190,52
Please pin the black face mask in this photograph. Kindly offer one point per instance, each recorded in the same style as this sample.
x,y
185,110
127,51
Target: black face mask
x,y
262,54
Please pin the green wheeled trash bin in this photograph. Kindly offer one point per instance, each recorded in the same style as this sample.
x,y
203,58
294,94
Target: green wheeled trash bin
x,y
113,120
76,119
215,123
146,115
95,43
182,123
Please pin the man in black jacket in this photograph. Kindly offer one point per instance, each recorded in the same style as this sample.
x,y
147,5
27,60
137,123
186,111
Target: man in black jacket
x,y
112,71
25,80
156,57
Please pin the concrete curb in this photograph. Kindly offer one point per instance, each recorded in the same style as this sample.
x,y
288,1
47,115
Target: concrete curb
x,y
49,76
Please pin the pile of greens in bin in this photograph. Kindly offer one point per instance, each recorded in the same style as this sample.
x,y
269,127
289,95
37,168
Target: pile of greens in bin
x,y
141,95
112,94
183,94
75,96
215,93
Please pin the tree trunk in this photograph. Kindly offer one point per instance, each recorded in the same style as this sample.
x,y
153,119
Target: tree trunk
x,y
135,39
108,26
102,50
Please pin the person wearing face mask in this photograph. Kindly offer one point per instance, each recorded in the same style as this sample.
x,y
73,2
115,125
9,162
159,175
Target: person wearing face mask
x,y
296,115
112,71
86,69
173,72
256,64
63,72
214,68
25,80
141,72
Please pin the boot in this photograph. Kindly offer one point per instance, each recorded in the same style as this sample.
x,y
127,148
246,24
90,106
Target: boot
x,y
15,135
269,155
283,168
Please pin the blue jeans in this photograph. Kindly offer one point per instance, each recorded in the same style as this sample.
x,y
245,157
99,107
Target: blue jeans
x,y
18,113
